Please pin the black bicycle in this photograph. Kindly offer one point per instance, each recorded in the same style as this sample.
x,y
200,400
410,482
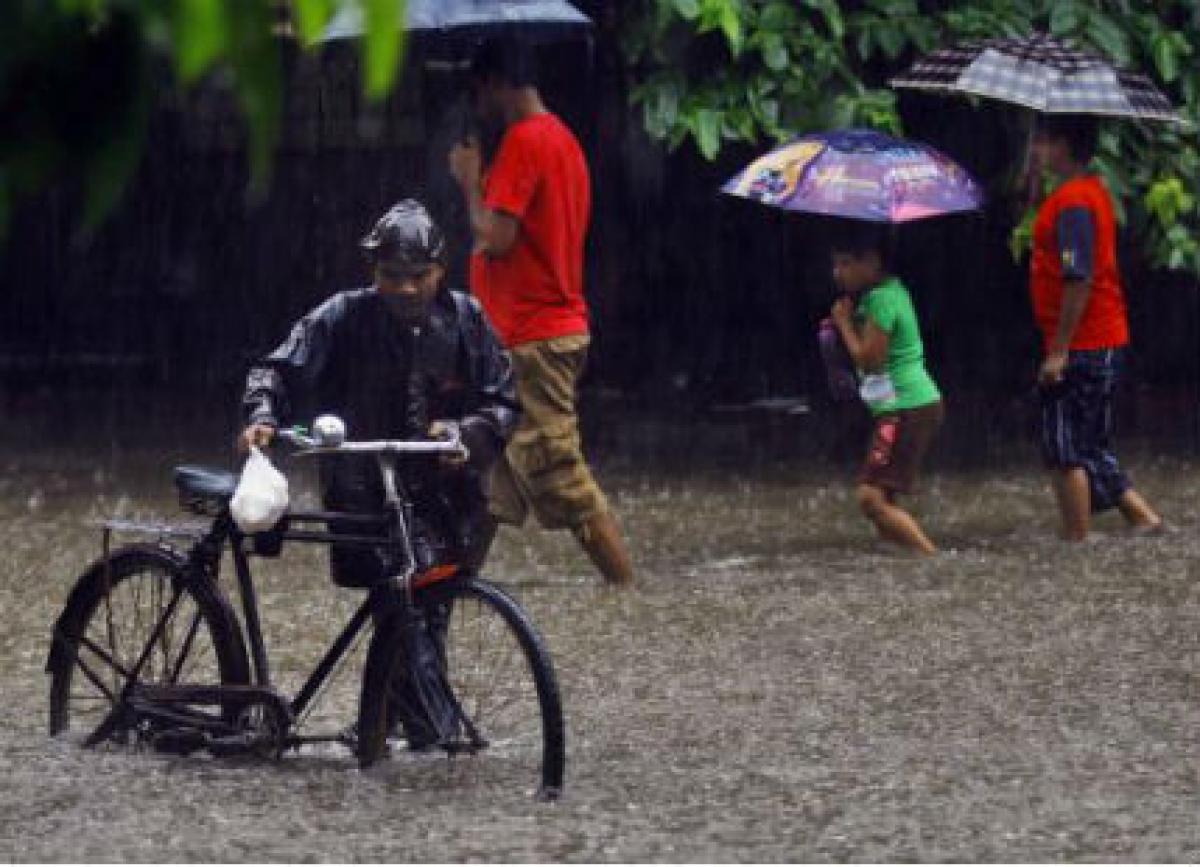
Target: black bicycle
x,y
148,650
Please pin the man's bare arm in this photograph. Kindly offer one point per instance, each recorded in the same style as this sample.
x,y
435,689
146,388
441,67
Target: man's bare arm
x,y
495,231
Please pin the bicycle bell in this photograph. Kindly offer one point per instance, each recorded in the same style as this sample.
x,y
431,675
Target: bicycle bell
x,y
329,431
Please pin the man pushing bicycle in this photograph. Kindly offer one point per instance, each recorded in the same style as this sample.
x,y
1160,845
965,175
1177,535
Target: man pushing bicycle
x,y
404,358
453,661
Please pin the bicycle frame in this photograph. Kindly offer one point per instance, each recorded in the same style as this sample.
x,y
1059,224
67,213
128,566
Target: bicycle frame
x,y
203,561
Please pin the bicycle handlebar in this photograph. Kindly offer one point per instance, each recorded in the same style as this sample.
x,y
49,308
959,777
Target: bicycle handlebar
x,y
452,445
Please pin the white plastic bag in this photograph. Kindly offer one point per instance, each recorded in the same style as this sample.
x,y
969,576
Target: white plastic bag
x,y
261,497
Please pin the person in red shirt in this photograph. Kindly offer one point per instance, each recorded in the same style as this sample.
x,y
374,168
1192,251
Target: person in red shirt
x,y
529,216
1079,307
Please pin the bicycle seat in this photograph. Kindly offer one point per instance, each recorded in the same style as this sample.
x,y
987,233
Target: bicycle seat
x,y
204,490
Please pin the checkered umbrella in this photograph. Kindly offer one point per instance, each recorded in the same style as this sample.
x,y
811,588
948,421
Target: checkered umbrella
x,y
1041,73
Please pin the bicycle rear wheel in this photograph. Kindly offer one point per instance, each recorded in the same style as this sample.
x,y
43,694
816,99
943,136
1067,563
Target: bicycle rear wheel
x,y
499,675
109,623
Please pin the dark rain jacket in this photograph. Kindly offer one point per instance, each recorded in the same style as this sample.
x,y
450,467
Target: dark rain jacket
x,y
351,357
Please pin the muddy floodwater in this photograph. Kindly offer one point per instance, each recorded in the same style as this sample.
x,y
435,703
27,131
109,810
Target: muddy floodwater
x,y
780,686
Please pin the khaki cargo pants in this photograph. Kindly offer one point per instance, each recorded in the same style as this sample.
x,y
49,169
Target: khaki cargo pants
x,y
543,470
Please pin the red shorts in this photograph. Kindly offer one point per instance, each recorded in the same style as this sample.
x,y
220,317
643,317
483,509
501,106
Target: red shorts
x,y
898,445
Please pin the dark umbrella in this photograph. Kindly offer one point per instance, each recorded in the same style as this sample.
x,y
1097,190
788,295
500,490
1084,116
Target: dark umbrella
x,y
858,174
535,20
1041,73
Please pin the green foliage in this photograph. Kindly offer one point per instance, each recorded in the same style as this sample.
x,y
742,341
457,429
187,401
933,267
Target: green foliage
x,y
1021,239
77,78
714,72
383,19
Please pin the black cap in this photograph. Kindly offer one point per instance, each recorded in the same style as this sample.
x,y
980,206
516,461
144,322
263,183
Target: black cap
x,y
405,239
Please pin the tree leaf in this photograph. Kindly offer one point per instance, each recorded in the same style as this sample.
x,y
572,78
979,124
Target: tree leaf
x,y
1106,35
1020,241
258,81
774,52
1165,58
739,124
92,9
769,110
383,46
920,31
706,127
689,10
1162,200
311,16
777,16
199,35
1065,17
662,108
731,25
865,42
891,40
833,17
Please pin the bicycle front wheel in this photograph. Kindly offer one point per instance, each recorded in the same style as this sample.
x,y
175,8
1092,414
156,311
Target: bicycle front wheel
x,y
137,605
500,679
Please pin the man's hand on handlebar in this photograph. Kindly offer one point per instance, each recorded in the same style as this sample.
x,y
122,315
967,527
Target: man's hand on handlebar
x,y
444,437
259,435
445,430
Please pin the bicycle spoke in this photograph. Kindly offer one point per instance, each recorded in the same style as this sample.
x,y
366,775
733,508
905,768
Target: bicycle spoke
x,y
99,651
111,628
90,675
161,645
186,649
137,608
91,698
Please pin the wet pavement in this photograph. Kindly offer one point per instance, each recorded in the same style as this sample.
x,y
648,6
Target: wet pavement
x,y
780,687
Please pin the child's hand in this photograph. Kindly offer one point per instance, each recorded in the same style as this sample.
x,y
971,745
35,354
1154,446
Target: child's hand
x,y
842,311
1053,368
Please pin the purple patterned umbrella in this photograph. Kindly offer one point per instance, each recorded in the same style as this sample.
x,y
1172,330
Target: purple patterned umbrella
x,y
861,175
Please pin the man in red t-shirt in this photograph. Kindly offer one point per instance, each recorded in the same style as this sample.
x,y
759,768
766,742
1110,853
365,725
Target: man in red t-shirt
x,y
1080,310
529,216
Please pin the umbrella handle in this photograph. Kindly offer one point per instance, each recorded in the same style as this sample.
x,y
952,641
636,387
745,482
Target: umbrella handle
x,y
1031,170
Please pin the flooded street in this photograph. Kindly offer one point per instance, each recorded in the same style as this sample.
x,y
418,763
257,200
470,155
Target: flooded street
x,y
742,247
780,687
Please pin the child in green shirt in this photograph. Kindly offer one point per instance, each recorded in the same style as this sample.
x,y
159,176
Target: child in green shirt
x,y
878,324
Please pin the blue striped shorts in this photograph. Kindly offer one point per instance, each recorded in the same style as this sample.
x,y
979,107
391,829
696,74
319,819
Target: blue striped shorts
x,y
1077,422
